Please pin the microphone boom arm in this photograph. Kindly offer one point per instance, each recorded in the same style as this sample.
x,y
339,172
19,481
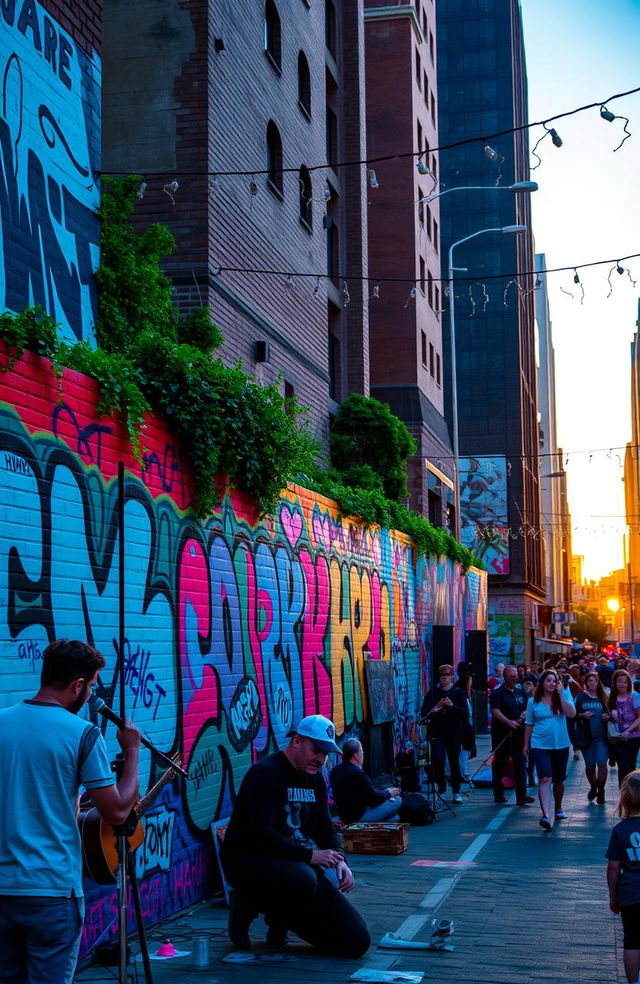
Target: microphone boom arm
x,y
98,705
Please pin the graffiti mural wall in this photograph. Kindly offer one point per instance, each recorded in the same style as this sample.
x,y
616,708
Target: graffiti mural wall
x,y
49,155
483,510
235,628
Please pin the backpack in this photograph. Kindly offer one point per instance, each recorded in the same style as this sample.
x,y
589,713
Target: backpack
x,y
415,810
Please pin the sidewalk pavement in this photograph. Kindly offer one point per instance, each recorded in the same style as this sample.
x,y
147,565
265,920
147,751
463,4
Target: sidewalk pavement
x,y
528,907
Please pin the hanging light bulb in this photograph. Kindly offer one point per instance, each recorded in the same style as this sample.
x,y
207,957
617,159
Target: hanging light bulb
x,y
556,139
327,193
253,188
373,181
491,153
620,269
376,292
576,277
607,115
141,190
422,168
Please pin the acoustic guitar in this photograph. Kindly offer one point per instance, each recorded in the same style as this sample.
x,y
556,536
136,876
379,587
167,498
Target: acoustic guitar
x,y
100,839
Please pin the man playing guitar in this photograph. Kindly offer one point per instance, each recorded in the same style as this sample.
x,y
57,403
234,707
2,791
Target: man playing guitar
x,y
47,753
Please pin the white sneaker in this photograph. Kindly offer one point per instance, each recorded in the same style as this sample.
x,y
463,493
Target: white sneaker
x,y
457,798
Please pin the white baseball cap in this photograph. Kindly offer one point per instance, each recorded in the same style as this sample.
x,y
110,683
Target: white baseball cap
x,y
320,730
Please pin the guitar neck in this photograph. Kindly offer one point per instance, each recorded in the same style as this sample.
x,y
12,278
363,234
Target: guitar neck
x,y
149,799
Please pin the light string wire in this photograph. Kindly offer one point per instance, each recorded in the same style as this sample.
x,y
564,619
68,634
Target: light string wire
x,y
387,157
216,270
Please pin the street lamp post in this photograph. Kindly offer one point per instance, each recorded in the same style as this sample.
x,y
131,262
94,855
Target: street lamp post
x,y
509,230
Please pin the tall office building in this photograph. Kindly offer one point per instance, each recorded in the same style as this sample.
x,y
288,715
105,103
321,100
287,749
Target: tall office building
x,y
556,521
195,90
404,241
632,486
482,89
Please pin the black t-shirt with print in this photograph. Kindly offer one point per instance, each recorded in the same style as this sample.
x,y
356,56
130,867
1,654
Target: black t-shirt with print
x,y
512,703
624,846
280,813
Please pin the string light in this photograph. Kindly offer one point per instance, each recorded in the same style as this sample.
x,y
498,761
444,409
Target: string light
x,y
443,280
576,280
373,181
413,293
607,115
413,153
556,140
375,295
141,190
170,190
471,301
315,296
346,296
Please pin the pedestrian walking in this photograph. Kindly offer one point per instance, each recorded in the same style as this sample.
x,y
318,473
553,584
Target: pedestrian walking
x,y
508,704
623,873
593,713
547,738
624,708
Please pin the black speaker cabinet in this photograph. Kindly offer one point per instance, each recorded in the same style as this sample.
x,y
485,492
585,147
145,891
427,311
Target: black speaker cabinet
x,y
475,645
441,649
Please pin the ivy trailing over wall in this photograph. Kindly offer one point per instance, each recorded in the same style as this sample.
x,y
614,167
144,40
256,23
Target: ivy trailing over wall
x,y
368,477
149,357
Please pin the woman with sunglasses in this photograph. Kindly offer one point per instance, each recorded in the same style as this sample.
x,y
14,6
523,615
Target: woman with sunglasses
x,y
446,714
624,708
546,735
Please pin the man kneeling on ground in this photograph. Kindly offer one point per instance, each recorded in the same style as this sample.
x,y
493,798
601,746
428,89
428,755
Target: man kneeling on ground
x,y
282,855
356,798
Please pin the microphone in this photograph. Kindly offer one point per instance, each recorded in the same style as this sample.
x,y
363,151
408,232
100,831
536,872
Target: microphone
x,y
98,706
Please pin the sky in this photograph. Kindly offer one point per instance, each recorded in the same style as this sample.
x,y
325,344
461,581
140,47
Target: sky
x,y
588,208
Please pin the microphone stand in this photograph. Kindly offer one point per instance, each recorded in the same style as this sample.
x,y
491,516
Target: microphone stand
x,y
126,860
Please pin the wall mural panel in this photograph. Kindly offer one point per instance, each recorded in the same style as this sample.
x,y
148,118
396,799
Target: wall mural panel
x,y
49,156
235,628
484,510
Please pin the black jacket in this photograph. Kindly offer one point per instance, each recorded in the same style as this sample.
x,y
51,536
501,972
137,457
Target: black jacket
x,y
354,792
451,721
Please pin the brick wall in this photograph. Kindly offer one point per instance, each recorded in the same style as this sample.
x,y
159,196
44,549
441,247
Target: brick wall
x,y
234,628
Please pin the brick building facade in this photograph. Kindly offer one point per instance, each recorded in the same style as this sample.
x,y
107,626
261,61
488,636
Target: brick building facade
x,y
193,90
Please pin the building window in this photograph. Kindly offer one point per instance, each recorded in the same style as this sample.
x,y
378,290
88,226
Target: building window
x,y
436,299
332,137
434,166
423,346
289,395
425,29
438,369
430,289
272,34
304,83
419,133
432,47
421,207
433,107
418,68
330,26
422,275
333,248
306,197
431,359
425,88
428,221
274,159
435,235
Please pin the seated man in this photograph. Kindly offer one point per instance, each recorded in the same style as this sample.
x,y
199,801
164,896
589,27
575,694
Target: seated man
x,y
355,795
282,855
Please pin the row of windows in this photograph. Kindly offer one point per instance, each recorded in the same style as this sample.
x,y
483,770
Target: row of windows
x,y
423,83
430,359
426,221
273,50
428,287
275,176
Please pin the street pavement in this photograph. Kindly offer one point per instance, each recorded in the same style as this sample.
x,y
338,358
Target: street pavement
x,y
528,907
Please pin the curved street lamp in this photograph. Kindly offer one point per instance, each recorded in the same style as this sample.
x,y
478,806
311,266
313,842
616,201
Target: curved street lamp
x,y
508,230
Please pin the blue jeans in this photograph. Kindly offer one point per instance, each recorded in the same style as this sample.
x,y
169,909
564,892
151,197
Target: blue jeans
x,y
385,811
39,938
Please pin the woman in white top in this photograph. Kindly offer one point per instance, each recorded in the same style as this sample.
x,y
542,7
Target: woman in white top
x,y
546,734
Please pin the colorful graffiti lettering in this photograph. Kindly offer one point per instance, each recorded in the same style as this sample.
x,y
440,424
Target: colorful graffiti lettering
x,y
234,629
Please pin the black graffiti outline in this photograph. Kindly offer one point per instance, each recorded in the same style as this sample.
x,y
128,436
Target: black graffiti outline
x,y
45,113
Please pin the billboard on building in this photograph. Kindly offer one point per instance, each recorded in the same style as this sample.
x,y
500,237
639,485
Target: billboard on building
x,y
483,510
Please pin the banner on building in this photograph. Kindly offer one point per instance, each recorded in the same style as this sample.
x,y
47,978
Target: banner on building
x,y
484,524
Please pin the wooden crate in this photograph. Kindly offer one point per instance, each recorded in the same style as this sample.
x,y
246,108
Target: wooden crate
x,y
376,838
